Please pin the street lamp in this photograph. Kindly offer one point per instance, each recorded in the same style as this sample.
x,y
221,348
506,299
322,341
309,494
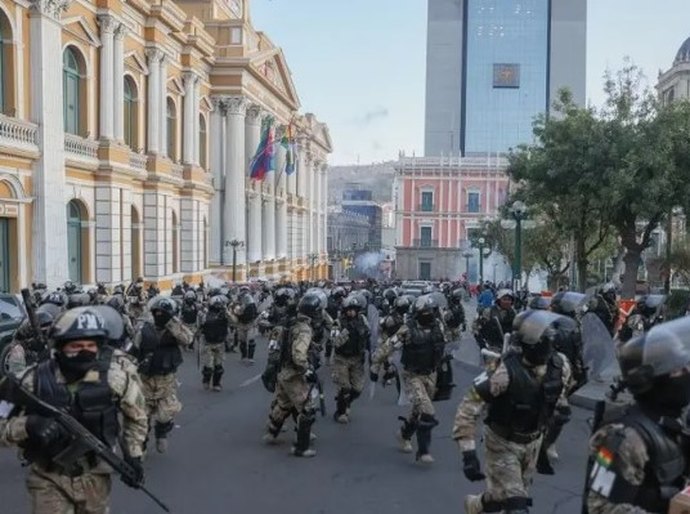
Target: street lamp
x,y
481,242
467,254
519,212
235,245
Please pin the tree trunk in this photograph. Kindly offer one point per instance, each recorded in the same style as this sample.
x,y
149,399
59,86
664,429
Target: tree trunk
x,y
582,263
632,262
618,267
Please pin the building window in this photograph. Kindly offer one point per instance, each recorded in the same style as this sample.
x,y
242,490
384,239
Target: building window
x,y
72,90
202,141
424,271
427,201
425,237
171,114
6,72
131,114
473,201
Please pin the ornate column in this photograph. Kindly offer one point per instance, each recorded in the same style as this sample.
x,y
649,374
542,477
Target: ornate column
x,y
234,212
252,131
154,56
188,120
216,169
49,231
108,25
163,102
119,72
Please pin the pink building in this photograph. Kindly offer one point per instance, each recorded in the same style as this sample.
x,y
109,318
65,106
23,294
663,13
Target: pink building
x,y
439,201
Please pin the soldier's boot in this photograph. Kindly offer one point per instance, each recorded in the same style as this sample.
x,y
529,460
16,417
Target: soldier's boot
x,y
341,403
217,375
426,423
243,350
328,353
273,429
206,374
473,504
351,398
304,422
405,434
251,348
161,431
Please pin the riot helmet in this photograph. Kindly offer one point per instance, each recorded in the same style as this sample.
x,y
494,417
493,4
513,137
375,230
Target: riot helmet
x,y
323,297
505,298
609,292
390,295
656,366
190,297
536,334
310,305
79,323
163,309
217,303
69,287
540,303
651,304
283,296
456,296
339,292
428,289
117,303
368,297
403,304
93,295
55,298
568,303
425,309
215,291
353,303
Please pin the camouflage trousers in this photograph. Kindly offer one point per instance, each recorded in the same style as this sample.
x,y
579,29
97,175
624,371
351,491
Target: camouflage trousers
x,y
52,493
420,390
291,396
509,467
212,355
348,372
160,392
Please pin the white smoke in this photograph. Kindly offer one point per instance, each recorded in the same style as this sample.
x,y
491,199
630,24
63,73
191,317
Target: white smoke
x,y
368,264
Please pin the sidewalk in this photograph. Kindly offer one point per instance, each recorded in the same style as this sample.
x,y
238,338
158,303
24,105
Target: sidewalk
x,y
586,397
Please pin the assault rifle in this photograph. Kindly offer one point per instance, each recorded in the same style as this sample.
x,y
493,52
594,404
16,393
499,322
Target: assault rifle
x,y
83,441
31,314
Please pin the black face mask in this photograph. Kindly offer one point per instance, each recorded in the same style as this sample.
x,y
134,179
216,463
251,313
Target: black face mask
x,y
670,396
75,367
537,354
161,318
425,319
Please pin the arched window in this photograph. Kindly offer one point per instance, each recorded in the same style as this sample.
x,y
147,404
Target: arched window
x,y
6,68
72,90
171,113
131,114
202,141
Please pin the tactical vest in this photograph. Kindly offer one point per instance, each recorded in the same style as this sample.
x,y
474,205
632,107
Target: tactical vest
x,y
423,352
215,327
456,318
333,307
286,344
528,403
189,313
318,327
93,405
663,474
392,323
357,340
159,354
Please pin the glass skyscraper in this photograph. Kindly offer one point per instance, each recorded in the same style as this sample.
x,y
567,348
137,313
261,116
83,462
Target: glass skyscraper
x,y
494,65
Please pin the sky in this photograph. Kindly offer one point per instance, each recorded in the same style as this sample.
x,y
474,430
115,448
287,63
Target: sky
x,y
359,65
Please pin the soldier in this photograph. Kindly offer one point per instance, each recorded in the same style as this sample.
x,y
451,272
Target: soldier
x,y
638,459
604,303
189,314
334,303
495,322
243,314
454,316
422,341
158,346
27,347
214,330
117,303
351,343
295,379
96,386
521,393
136,301
648,311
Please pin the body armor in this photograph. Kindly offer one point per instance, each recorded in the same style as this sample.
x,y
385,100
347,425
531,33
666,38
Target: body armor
x,y
455,317
159,353
92,404
358,339
189,314
215,328
528,403
392,323
423,352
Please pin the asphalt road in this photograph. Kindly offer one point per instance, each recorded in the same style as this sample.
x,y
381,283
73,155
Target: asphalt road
x,y
217,463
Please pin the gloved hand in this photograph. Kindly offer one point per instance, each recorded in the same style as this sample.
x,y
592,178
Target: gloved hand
x,y
44,431
137,479
373,376
471,467
310,376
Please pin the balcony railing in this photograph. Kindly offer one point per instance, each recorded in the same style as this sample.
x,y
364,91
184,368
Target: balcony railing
x,y
426,207
426,243
76,145
14,131
138,161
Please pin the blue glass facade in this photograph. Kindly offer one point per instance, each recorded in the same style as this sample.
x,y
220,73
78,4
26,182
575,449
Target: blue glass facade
x,y
506,72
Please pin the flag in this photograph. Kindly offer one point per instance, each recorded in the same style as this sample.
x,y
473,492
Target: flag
x,y
264,159
288,142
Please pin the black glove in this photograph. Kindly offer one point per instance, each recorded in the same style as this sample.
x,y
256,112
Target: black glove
x,y
470,466
44,431
374,377
544,467
137,478
310,376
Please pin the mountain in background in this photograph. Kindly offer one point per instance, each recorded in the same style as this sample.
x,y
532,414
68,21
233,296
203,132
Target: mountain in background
x,y
377,178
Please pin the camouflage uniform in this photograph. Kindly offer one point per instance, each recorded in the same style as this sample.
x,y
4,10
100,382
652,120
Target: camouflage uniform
x,y
52,492
509,464
492,325
347,369
242,336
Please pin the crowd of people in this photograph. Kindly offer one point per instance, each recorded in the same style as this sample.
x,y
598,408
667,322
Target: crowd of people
x,y
109,358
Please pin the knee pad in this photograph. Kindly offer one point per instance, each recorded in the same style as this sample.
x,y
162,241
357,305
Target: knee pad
x,y
427,421
161,430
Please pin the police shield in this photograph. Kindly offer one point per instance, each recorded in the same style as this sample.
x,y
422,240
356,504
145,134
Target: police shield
x,y
667,347
598,347
440,299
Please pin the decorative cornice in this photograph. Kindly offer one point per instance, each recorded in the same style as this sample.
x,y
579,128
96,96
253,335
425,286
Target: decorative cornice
x,y
51,8
236,105
254,113
154,55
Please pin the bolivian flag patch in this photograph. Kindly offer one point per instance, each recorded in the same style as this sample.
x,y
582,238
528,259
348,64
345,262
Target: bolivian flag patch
x,y
604,457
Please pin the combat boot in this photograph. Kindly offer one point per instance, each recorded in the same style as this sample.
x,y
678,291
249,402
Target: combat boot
x,y
426,423
217,375
243,351
251,348
206,374
301,446
340,414
405,434
161,431
473,504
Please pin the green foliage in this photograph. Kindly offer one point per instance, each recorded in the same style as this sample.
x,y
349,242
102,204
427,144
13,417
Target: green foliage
x,y
677,303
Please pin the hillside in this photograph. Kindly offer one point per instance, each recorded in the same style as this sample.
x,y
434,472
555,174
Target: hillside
x,y
376,177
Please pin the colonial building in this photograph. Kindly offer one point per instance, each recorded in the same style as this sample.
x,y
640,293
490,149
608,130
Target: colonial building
x,y
123,122
439,201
